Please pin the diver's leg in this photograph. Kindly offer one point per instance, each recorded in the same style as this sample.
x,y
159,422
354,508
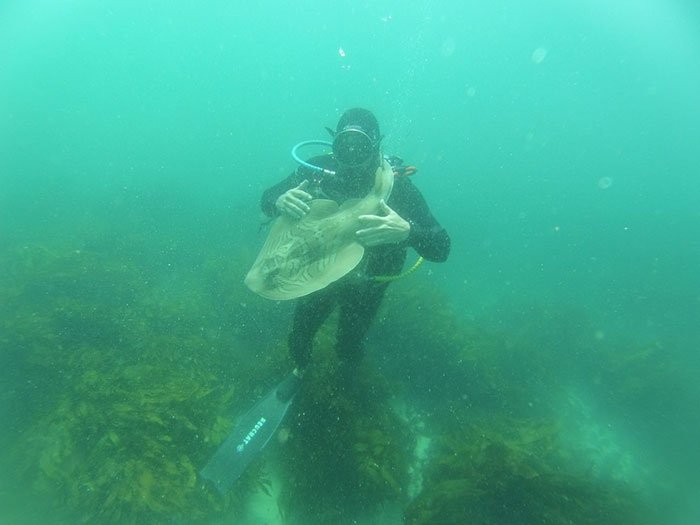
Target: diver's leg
x,y
358,307
309,315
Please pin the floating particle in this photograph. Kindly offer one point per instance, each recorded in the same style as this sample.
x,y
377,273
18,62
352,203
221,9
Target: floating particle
x,y
448,47
539,54
283,435
605,182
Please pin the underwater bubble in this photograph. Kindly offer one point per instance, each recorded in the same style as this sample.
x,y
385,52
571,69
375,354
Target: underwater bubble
x,y
283,435
605,182
471,91
539,54
448,47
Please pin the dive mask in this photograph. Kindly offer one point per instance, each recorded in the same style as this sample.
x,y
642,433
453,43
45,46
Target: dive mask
x,y
353,147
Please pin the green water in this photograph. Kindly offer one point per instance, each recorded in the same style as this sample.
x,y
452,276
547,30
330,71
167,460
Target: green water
x,y
556,141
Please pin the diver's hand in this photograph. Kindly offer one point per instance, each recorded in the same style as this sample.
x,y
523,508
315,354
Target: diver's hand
x,y
389,228
293,203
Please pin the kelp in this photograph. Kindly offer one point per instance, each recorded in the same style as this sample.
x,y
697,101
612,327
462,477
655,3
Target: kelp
x,y
513,472
492,400
448,361
131,373
346,450
51,299
139,381
123,445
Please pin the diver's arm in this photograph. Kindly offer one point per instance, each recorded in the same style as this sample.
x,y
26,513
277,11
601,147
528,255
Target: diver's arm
x,y
294,203
426,236
268,202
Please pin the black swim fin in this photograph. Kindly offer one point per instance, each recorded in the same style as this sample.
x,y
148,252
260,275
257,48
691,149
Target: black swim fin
x,y
250,435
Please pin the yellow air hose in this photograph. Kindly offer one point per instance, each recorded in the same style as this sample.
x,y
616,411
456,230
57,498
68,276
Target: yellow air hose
x,y
389,278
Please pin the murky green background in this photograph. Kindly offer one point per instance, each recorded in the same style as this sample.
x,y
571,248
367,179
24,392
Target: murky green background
x,y
556,141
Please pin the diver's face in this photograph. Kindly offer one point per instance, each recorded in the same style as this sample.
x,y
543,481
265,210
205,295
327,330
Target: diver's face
x,y
354,148
363,171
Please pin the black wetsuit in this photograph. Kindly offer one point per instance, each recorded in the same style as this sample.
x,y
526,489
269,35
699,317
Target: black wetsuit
x,y
358,297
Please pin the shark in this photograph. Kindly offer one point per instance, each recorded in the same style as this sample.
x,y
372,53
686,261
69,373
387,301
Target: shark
x,y
302,256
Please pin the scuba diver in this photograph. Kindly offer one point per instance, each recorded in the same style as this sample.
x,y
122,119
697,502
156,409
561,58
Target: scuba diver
x,y
351,172
405,220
